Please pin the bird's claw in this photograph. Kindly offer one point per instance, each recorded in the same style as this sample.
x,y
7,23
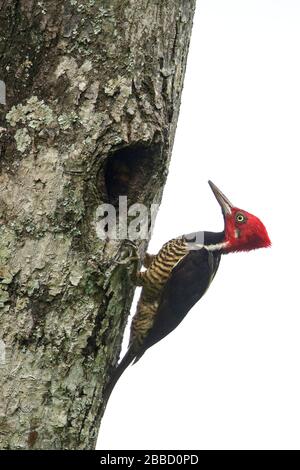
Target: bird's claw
x,y
131,257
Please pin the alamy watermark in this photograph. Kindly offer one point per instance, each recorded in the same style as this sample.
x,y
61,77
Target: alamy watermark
x,y
134,222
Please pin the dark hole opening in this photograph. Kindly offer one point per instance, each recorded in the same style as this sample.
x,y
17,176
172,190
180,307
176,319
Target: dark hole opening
x,y
129,172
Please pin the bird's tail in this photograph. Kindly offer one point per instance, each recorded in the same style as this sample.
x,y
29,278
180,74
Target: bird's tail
x,y
125,362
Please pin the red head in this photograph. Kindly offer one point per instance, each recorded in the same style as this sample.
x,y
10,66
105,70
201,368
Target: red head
x,y
243,231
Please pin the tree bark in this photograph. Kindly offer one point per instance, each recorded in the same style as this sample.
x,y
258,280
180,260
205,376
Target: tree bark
x,y
92,99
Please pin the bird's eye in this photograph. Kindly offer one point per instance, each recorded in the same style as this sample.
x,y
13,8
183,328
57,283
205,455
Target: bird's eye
x,y
240,218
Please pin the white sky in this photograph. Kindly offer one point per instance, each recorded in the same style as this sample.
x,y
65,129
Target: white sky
x,y
228,376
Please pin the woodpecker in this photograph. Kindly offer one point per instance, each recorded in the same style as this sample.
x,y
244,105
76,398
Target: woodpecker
x,y
179,275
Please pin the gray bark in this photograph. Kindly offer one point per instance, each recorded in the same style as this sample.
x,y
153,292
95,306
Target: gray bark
x,y
93,94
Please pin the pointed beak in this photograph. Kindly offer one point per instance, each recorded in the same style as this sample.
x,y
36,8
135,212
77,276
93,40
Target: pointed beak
x,y
225,204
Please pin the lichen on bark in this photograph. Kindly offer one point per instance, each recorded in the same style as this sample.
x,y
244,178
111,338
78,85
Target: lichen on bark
x,y
91,86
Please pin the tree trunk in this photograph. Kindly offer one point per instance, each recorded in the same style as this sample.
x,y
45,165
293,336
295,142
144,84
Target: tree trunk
x,y
92,98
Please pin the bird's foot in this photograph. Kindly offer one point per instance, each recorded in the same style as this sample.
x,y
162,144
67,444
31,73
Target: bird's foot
x,y
133,254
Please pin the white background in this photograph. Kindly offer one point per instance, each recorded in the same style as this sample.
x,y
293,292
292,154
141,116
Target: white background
x,y
229,376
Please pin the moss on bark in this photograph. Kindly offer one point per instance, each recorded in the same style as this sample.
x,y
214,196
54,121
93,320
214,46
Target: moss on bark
x,y
91,85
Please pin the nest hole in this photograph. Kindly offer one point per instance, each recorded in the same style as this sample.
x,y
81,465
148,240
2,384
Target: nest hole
x,y
129,172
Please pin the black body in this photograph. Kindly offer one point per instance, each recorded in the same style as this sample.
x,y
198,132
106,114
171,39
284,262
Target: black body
x,y
188,282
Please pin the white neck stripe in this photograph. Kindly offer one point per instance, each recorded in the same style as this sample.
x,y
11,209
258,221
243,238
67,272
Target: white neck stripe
x,y
217,246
